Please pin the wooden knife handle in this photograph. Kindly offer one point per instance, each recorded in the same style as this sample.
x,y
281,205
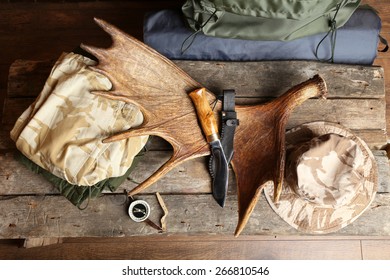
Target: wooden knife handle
x,y
205,114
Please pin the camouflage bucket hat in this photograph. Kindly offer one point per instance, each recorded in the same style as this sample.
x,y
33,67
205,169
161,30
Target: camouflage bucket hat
x,y
330,180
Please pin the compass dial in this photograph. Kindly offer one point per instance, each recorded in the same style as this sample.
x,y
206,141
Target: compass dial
x,y
139,210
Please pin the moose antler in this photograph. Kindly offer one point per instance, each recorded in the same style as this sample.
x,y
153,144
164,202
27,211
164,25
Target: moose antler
x,y
260,141
141,76
145,78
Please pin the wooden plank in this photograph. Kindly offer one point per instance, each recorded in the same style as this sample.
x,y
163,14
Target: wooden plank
x,y
41,47
27,79
16,179
345,112
376,249
54,216
273,78
383,171
44,30
375,139
256,79
57,16
382,6
4,69
5,140
13,108
192,248
167,238
32,48
385,63
38,242
352,113
190,177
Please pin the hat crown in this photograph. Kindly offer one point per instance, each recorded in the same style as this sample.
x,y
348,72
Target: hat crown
x,y
346,196
327,170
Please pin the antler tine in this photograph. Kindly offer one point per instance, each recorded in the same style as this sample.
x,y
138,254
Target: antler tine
x,y
314,87
174,161
111,30
114,95
97,52
133,132
101,71
115,33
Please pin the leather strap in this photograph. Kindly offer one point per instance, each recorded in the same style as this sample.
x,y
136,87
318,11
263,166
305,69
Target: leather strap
x,y
384,41
229,122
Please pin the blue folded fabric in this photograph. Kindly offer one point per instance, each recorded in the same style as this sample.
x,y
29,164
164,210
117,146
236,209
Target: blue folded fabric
x,y
356,42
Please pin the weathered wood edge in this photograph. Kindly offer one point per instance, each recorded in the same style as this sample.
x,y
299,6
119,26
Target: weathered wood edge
x,y
44,217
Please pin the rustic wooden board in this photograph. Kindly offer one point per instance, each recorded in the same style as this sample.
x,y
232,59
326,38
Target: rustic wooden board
x,y
376,249
365,116
375,139
191,177
5,140
33,17
43,30
352,113
190,248
52,216
258,78
26,79
31,208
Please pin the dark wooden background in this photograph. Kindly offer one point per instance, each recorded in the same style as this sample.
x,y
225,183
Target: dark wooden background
x,y
41,30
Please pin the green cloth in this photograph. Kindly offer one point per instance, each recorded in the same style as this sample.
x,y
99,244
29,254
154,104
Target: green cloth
x,y
74,193
276,20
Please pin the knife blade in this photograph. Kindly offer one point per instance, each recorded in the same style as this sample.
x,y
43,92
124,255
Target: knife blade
x,y
210,129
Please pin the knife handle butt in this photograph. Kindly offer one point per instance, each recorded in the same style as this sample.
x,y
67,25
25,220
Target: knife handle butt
x,y
205,114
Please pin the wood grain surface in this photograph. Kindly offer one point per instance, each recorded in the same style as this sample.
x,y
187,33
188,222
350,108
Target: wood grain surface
x,y
43,30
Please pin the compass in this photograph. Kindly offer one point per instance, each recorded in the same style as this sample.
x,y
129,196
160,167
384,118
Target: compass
x,y
139,210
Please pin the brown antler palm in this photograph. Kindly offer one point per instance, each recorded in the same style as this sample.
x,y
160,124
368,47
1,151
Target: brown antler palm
x,y
143,77
260,142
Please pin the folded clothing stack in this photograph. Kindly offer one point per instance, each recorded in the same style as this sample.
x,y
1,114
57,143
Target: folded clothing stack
x,y
60,135
356,43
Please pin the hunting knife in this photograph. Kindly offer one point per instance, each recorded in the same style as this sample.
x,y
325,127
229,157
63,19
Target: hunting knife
x,y
210,129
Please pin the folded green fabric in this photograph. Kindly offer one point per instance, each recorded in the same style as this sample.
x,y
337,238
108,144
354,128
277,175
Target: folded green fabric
x,y
74,193
267,20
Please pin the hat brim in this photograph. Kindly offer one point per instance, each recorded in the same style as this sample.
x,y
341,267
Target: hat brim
x,y
313,218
